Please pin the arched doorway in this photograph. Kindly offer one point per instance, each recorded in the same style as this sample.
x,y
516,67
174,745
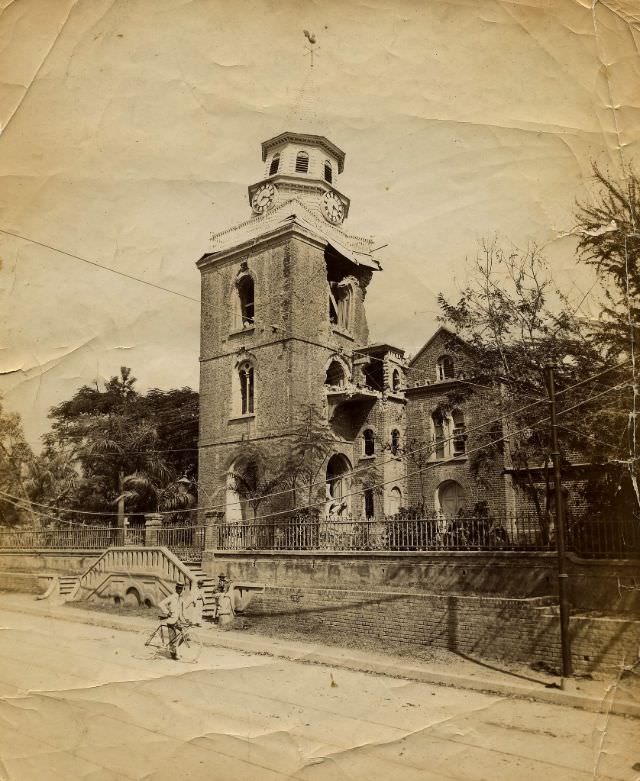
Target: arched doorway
x,y
395,501
451,499
338,471
242,484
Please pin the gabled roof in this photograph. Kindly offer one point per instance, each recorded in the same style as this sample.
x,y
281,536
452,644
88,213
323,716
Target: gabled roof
x,y
442,331
294,213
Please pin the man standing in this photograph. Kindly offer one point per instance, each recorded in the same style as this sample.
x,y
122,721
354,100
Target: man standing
x,y
172,613
194,604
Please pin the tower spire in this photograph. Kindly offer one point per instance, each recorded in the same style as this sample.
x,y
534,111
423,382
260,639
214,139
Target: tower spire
x,y
303,116
311,47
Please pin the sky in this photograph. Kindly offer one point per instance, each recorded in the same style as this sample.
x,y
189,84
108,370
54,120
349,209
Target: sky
x,y
132,128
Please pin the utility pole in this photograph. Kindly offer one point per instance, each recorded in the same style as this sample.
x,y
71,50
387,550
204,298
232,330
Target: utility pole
x,y
563,577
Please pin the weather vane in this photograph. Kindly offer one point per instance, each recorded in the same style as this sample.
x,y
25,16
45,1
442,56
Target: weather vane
x,y
312,49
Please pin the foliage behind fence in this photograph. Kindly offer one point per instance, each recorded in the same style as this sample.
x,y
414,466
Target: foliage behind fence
x,y
423,533
78,537
585,537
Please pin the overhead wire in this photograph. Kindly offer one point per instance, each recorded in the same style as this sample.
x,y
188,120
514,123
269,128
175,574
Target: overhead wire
x,y
351,473
185,296
199,301
432,465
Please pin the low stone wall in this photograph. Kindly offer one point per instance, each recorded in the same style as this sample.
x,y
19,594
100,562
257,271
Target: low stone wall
x,y
594,585
22,582
60,562
522,630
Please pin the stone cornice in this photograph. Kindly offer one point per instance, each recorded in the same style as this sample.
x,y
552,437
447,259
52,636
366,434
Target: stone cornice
x,y
265,239
291,216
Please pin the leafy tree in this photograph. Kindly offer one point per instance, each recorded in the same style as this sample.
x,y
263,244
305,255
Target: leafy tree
x,y
609,229
311,443
130,447
513,320
53,477
15,457
175,414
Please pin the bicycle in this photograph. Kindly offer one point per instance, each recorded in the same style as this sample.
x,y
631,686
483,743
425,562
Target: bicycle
x,y
187,643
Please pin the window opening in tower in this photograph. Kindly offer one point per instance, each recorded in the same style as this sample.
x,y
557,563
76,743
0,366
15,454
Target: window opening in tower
x,y
302,163
246,294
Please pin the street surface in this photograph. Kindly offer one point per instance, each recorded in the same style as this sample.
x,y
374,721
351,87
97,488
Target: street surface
x,y
80,702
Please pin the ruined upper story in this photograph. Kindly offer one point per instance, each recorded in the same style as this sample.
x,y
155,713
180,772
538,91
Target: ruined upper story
x,y
290,270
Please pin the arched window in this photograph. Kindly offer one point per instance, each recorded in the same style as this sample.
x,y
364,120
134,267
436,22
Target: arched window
x,y
247,388
369,443
302,163
445,367
338,469
335,375
275,164
395,441
439,434
340,304
242,484
328,172
459,433
395,500
246,298
395,381
450,498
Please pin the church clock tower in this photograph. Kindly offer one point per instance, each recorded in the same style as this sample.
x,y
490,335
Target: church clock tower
x,y
302,166
284,329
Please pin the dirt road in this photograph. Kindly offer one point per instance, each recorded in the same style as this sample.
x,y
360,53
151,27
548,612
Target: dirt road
x,y
80,702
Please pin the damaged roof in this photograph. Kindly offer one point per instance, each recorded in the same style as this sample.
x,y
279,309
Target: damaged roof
x,y
356,249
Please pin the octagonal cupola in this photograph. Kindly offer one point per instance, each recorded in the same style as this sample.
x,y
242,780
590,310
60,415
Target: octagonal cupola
x,y
302,166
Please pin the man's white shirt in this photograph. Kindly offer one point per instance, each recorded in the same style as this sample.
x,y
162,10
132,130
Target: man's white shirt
x,y
174,606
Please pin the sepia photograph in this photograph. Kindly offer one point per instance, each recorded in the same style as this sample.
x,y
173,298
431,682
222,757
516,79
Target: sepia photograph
x,y
319,390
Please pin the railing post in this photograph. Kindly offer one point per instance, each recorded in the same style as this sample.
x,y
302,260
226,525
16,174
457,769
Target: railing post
x,y
212,521
152,524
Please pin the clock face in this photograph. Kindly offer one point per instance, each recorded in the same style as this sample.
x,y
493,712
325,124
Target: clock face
x,y
332,208
263,198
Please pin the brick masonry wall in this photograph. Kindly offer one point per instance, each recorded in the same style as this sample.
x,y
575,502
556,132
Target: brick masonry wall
x,y
524,630
595,585
426,473
290,343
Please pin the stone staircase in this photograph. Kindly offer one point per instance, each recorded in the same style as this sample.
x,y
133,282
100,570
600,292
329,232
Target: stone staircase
x,y
208,589
63,588
68,586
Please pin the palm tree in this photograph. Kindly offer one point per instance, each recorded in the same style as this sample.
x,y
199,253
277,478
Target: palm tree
x,y
125,451
52,476
257,475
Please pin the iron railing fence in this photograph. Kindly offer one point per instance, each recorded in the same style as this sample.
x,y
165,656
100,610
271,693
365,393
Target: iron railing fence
x,y
187,542
522,532
78,537
134,535
587,537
